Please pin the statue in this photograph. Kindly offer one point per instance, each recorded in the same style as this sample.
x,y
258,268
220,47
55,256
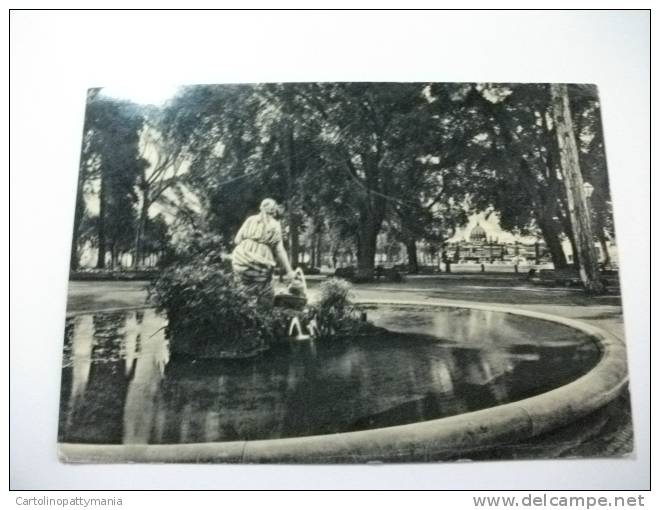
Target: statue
x,y
259,248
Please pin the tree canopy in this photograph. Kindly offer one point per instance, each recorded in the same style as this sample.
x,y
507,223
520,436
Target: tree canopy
x,y
347,161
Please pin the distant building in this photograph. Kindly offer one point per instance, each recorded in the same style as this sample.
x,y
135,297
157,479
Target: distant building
x,y
480,247
482,240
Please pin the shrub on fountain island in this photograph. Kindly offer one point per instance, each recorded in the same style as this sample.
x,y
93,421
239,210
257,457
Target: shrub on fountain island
x,y
209,313
335,313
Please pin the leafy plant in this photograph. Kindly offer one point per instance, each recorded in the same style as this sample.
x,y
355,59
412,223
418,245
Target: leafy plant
x,y
335,313
209,312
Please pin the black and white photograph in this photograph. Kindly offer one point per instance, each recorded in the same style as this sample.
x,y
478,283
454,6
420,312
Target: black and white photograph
x,y
343,273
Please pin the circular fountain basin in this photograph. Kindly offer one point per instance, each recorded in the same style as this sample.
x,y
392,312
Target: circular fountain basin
x,y
438,382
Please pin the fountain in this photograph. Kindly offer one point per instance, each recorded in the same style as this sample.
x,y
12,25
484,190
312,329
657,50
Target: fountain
x,y
294,302
420,381
295,330
435,381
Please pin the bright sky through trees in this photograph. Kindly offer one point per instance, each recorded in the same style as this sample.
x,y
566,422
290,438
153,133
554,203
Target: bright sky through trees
x,y
142,93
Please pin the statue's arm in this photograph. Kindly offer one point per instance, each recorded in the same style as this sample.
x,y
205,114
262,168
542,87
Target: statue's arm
x,y
283,259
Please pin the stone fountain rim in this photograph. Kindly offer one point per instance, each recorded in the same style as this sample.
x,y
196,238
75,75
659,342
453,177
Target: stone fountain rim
x,y
442,438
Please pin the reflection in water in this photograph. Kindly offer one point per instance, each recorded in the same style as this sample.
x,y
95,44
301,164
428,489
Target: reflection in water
x,y
99,383
120,385
148,355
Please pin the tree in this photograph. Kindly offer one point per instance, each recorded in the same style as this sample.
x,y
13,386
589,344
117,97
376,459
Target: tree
x,y
370,148
220,127
89,164
516,161
577,204
586,115
165,158
349,154
434,183
110,156
291,132
347,159
248,142
431,206
157,236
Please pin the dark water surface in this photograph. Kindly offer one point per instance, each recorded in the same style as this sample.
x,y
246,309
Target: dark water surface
x,y
120,384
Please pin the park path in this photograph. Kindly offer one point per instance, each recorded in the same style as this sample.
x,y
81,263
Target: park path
x,y
504,291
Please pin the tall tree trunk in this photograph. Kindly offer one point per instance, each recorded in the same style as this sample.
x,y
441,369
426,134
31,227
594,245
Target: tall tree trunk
x,y
551,234
312,250
577,203
74,262
446,259
319,250
372,214
100,260
366,249
140,229
113,256
294,238
411,250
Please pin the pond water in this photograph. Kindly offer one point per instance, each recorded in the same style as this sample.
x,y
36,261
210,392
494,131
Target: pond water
x,y
121,385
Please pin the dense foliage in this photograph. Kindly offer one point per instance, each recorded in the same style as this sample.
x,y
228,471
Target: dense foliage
x,y
209,312
349,161
335,313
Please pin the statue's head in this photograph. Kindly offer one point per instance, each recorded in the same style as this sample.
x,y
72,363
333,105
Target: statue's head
x,y
268,206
